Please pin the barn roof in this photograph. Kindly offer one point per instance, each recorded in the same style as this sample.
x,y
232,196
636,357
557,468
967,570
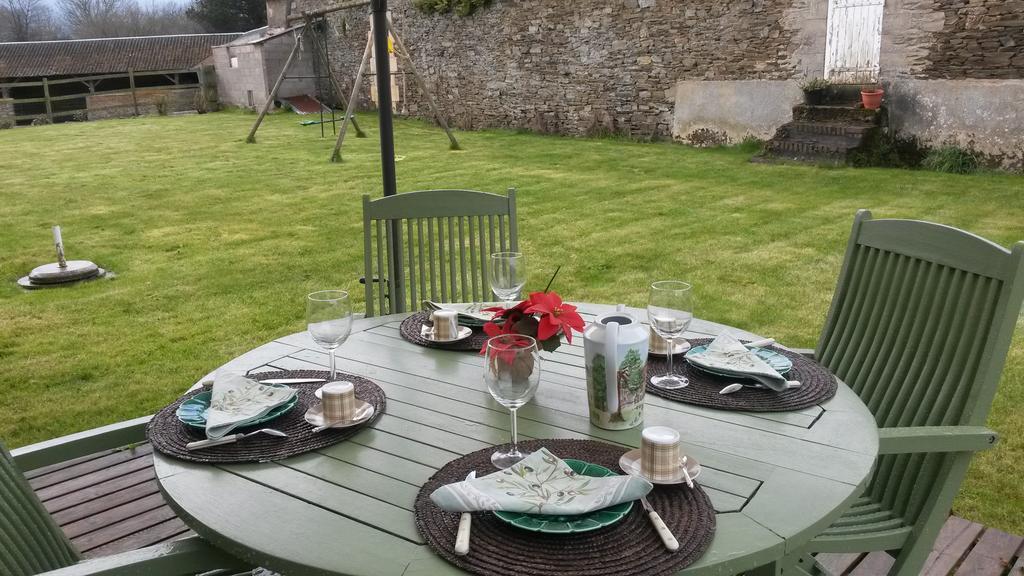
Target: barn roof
x,y
106,55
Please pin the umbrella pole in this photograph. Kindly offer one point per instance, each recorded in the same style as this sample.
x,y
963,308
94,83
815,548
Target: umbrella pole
x,y
396,286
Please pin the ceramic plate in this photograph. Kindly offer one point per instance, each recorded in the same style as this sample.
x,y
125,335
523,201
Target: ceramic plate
x,y
778,362
427,333
576,523
630,464
192,412
364,411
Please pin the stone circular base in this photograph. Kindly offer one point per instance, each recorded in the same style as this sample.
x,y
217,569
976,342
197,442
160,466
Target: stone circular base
x,y
29,284
53,274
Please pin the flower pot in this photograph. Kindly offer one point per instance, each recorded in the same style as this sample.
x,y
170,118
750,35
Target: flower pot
x,y
814,97
872,99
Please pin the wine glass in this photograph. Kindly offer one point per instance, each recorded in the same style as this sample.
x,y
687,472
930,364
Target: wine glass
x,y
508,275
670,311
512,372
329,320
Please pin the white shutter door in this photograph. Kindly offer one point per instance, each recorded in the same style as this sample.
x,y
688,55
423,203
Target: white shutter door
x,y
854,41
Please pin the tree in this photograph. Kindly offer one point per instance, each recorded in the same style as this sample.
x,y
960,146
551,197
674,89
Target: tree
x,y
229,15
118,18
26,20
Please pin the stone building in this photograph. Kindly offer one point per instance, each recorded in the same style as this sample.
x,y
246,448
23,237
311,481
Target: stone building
x,y
248,67
65,80
953,70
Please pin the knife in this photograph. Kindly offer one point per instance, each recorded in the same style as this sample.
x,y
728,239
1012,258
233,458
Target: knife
x,y
462,537
292,380
659,525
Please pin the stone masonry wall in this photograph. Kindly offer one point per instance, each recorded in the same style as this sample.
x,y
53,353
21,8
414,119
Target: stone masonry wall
x,y
953,39
579,67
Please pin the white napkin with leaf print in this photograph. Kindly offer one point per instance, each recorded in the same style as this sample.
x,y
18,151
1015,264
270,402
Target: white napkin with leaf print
x,y
540,484
728,355
236,401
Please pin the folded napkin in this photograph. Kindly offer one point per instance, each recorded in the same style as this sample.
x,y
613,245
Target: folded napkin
x,y
728,355
540,484
469,314
237,401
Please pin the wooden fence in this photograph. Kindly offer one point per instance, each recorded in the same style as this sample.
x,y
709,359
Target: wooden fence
x,y
92,82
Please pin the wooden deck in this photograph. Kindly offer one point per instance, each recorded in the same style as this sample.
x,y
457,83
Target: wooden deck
x,y
109,502
963,548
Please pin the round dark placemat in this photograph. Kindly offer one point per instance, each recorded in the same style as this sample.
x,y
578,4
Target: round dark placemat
x,y
817,385
411,326
169,436
628,547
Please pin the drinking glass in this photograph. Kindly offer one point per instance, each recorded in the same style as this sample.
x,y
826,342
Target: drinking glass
x,y
508,275
670,311
512,372
329,320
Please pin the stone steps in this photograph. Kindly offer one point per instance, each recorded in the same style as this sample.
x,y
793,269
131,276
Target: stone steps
x,y
822,134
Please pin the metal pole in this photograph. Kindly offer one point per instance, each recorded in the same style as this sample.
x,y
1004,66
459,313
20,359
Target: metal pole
x,y
387,145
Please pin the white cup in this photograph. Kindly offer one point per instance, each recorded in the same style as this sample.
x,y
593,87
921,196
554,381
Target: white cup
x,y
659,453
339,401
446,324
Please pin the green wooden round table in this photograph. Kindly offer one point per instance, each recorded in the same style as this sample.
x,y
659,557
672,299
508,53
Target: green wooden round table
x,y
775,479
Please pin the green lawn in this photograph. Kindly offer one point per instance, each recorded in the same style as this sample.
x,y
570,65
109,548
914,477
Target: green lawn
x,y
216,242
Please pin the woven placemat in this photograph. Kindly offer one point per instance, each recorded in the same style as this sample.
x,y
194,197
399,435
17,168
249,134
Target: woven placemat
x,y
169,436
628,547
817,385
411,326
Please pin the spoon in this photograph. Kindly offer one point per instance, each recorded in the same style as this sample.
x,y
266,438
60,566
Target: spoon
x,y
199,444
686,473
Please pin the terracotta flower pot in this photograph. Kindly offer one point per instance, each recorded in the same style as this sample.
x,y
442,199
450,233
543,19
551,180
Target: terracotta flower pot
x,y
872,99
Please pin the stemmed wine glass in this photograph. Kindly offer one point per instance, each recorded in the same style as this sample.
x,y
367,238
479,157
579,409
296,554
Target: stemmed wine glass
x,y
512,372
329,320
508,275
670,311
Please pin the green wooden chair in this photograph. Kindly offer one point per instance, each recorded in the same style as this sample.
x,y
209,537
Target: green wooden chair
x,y
32,543
444,239
919,328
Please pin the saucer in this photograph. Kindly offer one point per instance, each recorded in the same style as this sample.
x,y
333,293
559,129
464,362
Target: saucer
x,y
630,464
364,411
427,333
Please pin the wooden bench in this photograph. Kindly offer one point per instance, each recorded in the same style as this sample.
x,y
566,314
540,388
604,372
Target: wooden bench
x,y
108,502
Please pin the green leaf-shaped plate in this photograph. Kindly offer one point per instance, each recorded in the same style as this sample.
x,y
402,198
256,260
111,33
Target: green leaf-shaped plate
x,y
550,524
192,412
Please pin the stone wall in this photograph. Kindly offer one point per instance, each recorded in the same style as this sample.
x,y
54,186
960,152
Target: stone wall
x,y
258,68
986,116
660,68
576,67
953,39
234,84
712,112
6,113
150,102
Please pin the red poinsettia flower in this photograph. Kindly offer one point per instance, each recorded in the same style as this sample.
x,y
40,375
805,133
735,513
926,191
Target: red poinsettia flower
x,y
555,315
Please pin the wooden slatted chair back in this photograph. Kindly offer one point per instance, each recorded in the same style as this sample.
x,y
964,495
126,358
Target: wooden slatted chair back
x,y
30,541
445,239
919,328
